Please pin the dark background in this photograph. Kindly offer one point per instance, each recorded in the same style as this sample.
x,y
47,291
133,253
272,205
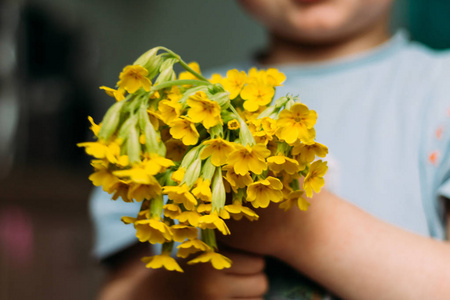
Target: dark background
x,y
54,54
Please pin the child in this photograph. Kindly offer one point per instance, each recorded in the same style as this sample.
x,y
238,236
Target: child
x,y
383,110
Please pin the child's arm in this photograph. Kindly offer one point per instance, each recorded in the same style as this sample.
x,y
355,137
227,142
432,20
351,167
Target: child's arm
x,y
348,251
130,280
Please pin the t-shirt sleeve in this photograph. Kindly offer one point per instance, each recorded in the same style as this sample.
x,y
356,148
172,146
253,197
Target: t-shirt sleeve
x,y
435,153
110,234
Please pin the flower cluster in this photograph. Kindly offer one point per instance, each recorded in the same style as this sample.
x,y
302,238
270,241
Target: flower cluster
x,y
217,148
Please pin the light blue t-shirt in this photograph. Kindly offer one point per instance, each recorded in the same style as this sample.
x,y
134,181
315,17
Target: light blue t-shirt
x,y
385,117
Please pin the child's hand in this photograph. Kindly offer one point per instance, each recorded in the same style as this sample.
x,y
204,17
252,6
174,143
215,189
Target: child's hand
x,y
244,280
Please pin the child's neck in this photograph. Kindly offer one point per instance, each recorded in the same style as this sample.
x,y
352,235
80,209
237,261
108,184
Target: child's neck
x,y
283,51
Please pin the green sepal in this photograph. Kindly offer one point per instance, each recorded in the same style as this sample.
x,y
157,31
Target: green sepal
x,y
152,143
222,98
125,128
216,131
192,172
208,169
189,157
133,145
218,191
156,206
111,120
209,238
166,72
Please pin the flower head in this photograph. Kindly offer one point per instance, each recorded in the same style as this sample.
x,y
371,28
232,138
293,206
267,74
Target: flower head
x,y
204,110
184,129
248,158
218,149
133,78
261,192
181,194
162,261
192,246
169,110
217,260
296,124
314,179
234,82
256,95
295,198
237,211
117,94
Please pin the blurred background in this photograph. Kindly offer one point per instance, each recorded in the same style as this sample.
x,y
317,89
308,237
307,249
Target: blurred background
x,y
54,54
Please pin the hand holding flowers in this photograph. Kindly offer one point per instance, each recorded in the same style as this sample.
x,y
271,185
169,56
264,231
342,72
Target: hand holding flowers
x,y
197,141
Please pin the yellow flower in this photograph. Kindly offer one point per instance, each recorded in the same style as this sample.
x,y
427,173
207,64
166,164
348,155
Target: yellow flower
x,y
169,110
139,192
120,189
218,149
234,82
184,129
295,198
233,124
297,124
248,158
117,94
182,232
104,178
154,118
174,94
187,75
217,260
314,179
181,194
178,175
237,211
189,216
143,172
237,181
202,190
274,77
204,110
280,163
172,211
262,137
212,221
162,261
154,163
94,127
307,153
133,78
190,247
152,231
269,125
175,149
256,95
216,78
261,192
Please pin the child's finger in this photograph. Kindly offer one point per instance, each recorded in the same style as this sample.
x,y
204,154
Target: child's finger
x,y
244,264
247,286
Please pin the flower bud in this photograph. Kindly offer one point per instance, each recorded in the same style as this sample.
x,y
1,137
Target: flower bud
x,y
218,191
192,172
152,143
133,145
151,61
166,71
111,120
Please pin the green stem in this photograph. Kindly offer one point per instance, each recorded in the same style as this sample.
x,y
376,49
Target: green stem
x,y
209,237
179,82
184,64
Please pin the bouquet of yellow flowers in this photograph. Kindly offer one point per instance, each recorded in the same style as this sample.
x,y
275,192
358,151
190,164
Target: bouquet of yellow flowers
x,y
217,148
